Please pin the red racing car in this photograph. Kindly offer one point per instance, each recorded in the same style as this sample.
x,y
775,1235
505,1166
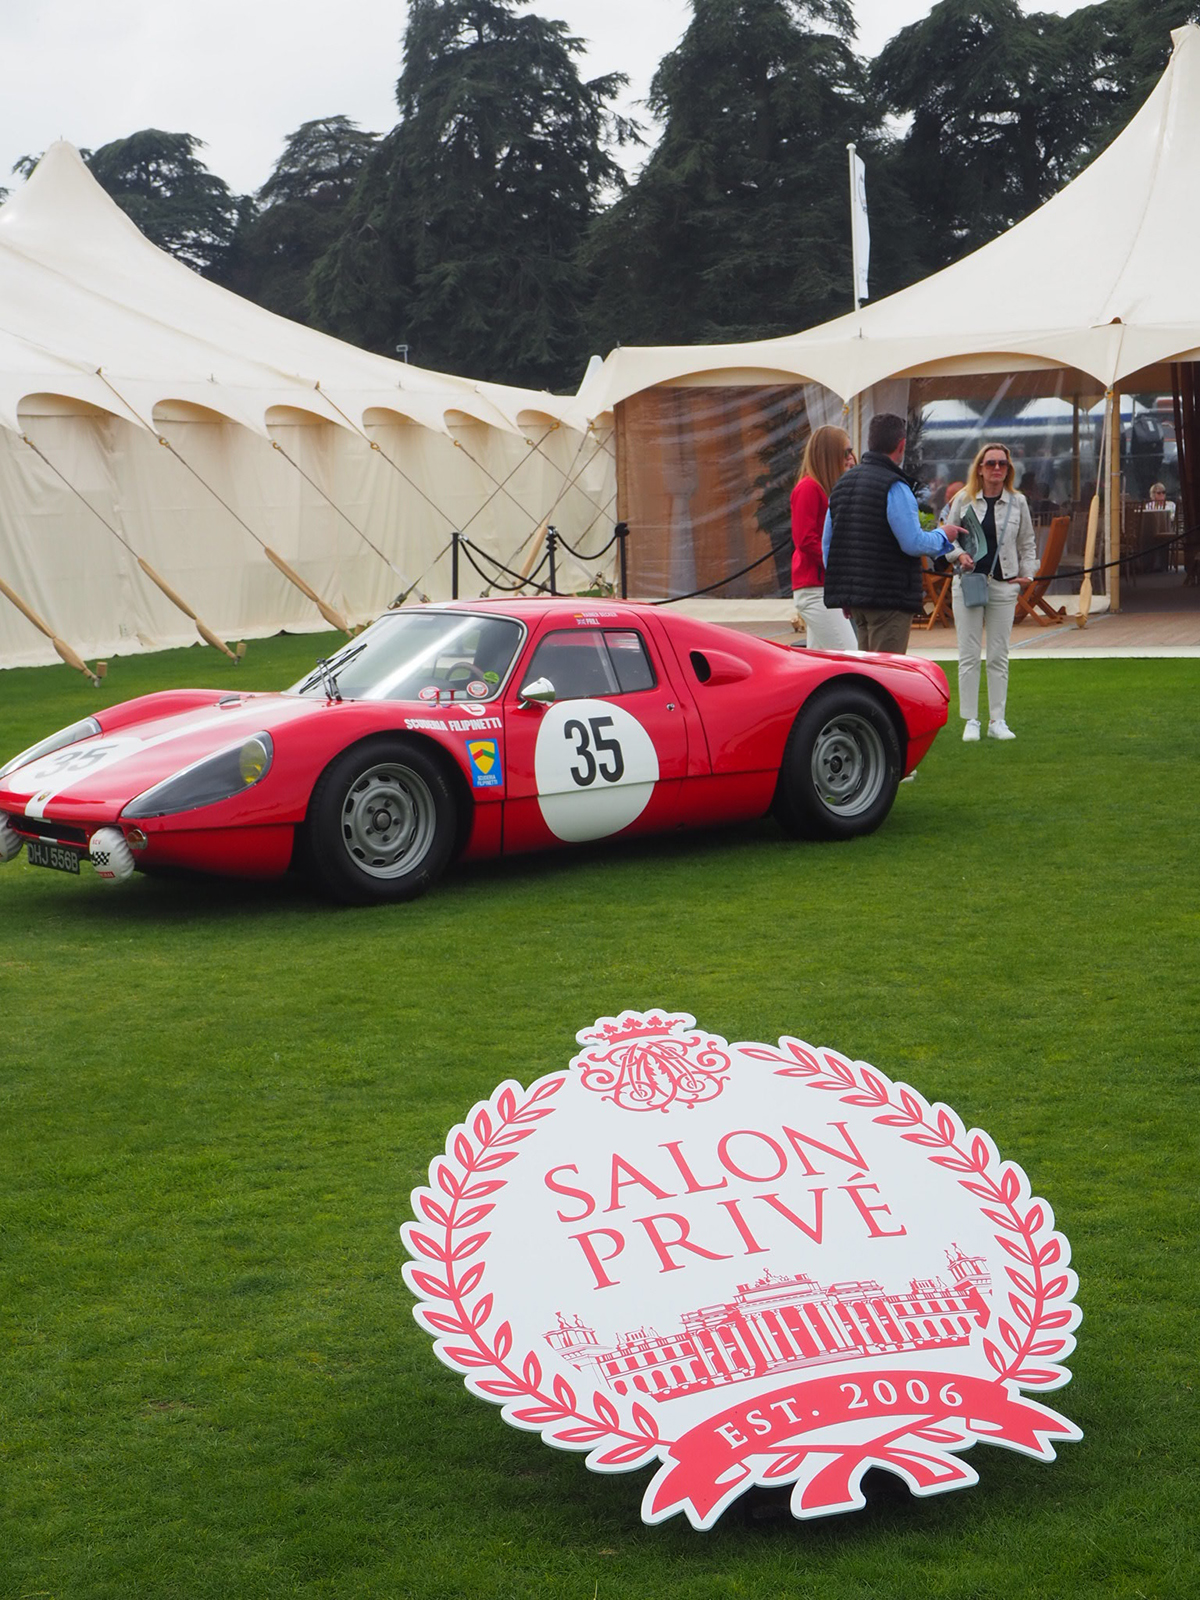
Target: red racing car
x,y
477,728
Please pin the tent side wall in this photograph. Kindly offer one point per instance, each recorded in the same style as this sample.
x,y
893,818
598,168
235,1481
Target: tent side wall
x,y
360,525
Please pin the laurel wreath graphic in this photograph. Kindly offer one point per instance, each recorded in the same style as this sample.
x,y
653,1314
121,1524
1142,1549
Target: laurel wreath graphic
x,y
1006,1195
452,1309
557,1413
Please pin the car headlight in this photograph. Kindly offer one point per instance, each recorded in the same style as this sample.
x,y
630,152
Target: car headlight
x,y
214,778
56,741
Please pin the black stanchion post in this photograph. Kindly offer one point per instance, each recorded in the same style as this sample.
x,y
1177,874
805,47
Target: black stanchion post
x,y
551,546
454,538
622,532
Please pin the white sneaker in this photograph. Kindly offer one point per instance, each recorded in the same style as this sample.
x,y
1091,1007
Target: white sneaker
x,y
1000,730
971,731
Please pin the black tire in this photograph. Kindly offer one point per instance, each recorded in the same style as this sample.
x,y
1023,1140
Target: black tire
x,y
841,766
382,822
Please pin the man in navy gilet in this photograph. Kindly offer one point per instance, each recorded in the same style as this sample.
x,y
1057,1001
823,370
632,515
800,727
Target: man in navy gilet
x,y
873,542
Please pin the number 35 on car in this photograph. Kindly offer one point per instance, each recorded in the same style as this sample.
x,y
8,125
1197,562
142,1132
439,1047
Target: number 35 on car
x,y
476,729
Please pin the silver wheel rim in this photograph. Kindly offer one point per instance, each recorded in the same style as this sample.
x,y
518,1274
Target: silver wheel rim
x,y
387,820
849,765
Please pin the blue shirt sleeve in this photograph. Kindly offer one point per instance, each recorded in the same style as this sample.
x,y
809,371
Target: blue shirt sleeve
x,y
826,536
904,522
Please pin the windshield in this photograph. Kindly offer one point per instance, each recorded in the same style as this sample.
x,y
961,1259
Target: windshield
x,y
420,655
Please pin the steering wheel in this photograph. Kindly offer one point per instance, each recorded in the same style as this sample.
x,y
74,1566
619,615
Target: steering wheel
x,y
462,673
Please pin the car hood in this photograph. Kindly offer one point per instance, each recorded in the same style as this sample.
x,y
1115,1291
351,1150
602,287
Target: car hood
x,y
143,742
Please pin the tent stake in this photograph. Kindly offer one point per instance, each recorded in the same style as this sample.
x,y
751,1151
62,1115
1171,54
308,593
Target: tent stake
x,y
64,649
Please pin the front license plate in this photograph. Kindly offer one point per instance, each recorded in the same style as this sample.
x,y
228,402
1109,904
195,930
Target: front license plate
x,y
59,856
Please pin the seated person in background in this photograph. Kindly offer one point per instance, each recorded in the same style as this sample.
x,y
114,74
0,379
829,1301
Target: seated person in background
x,y
1158,499
951,490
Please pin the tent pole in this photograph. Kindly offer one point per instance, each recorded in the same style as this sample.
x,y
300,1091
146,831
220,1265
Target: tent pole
x,y
332,616
1089,553
1113,541
1075,447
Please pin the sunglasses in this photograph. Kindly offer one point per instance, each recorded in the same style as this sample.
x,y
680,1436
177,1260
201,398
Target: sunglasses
x,y
1002,464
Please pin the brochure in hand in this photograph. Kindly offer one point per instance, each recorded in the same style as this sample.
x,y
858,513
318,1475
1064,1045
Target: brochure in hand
x,y
972,539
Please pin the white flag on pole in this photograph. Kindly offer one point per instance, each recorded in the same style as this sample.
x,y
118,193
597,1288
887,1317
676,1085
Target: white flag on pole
x,y
859,227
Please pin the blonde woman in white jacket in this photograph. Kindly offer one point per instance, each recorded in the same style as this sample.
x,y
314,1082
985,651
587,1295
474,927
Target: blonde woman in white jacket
x,y
1010,559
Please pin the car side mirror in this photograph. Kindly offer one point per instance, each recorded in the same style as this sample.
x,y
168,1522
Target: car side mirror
x,y
539,692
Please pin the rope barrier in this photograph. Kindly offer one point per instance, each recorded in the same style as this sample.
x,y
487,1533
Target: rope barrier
x,y
466,546
570,479
1120,561
670,599
579,555
1078,572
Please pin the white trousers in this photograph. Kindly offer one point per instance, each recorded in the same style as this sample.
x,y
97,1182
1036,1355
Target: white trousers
x,y
969,624
823,629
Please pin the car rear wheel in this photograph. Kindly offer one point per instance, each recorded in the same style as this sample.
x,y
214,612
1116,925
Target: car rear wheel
x,y
381,823
841,766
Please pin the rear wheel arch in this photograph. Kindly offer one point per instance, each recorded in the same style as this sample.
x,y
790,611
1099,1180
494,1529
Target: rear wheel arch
x,y
842,762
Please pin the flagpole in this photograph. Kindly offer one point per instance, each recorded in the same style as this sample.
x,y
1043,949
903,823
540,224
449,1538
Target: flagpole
x,y
856,415
850,150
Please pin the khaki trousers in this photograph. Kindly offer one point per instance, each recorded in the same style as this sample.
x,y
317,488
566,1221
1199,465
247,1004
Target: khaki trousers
x,y
882,630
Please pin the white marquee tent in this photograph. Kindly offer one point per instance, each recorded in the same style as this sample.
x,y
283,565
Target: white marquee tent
x,y
1102,279
1096,291
171,452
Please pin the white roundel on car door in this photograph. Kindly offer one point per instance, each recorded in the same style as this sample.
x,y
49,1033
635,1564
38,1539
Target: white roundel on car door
x,y
595,767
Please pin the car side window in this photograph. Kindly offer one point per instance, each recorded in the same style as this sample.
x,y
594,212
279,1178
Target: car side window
x,y
630,661
576,663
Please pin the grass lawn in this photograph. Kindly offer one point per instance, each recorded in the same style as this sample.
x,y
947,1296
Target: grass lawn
x,y
215,1099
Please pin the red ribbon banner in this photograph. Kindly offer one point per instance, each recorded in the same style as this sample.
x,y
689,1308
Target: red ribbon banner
x,y
711,1460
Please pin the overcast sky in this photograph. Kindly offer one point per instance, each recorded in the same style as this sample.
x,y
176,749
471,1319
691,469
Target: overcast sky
x,y
243,74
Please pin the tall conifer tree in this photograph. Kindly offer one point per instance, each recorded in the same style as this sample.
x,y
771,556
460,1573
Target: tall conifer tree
x,y
1003,108
298,214
160,182
738,226
464,235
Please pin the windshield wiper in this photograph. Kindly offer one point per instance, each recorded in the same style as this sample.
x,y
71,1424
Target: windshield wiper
x,y
327,674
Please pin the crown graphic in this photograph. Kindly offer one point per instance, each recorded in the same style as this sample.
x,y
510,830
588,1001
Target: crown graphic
x,y
651,1060
635,1025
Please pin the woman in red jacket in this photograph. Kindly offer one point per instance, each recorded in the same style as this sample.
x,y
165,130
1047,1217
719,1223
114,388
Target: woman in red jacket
x,y
826,457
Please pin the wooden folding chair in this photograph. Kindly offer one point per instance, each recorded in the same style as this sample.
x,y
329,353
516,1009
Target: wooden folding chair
x,y
1031,599
935,598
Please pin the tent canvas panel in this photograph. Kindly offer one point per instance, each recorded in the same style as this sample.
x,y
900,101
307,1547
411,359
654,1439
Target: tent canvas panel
x,y
705,476
108,342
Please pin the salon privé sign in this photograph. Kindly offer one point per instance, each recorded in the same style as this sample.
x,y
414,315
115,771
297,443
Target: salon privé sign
x,y
747,1264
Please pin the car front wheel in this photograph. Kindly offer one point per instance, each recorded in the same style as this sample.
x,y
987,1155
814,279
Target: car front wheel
x,y
382,823
841,766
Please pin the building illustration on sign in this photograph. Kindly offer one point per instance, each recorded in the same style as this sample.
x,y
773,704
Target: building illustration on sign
x,y
781,1324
